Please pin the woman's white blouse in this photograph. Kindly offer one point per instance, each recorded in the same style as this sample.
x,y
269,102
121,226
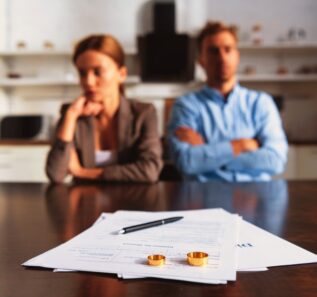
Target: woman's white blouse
x,y
103,158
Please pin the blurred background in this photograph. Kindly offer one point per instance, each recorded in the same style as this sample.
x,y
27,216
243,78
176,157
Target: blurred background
x,y
278,45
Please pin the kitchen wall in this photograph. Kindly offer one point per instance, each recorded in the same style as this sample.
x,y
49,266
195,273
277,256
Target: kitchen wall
x,y
65,21
62,22
276,17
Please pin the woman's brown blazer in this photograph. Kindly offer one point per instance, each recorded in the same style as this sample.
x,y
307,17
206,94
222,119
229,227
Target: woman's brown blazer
x,y
139,146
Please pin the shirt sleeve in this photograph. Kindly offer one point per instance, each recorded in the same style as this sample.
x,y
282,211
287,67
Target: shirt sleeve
x,y
190,159
271,157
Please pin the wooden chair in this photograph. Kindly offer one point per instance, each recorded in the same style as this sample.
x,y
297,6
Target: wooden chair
x,y
169,171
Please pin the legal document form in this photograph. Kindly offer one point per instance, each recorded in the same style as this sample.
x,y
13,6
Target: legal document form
x,y
101,249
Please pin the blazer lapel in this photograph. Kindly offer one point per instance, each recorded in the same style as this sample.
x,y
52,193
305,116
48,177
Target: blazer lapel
x,y
87,140
124,123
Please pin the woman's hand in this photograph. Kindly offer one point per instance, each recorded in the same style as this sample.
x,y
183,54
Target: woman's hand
x,y
80,107
77,170
83,107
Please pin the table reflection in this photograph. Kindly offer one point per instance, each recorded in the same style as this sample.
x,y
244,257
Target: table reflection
x,y
76,207
263,204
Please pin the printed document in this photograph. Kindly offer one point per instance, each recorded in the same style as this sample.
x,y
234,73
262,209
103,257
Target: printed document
x,y
101,249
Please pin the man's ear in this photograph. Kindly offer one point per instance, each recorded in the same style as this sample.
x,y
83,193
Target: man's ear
x,y
201,61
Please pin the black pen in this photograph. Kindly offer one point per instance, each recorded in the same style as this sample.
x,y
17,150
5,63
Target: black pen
x,y
148,225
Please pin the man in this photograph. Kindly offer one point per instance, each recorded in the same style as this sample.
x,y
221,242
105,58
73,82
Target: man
x,y
225,131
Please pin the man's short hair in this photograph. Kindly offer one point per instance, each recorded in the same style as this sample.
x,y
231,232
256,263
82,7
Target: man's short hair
x,y
213,28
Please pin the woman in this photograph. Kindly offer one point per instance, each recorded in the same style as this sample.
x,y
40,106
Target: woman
x,y
102,135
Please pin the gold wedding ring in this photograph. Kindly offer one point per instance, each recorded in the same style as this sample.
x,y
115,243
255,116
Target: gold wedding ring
x,y
197,258
156,260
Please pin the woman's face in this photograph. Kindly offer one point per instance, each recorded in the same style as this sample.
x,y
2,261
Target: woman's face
x,y
100,76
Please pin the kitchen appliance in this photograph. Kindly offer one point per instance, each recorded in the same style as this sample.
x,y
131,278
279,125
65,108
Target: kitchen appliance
x,y
25,127
166,56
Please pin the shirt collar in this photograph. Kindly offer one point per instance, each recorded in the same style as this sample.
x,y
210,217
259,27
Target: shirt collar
x,y
214,95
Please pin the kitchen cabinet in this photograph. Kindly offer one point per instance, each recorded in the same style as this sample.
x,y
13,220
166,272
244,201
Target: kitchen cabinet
x,y
306,162
291,171
302,162
23,162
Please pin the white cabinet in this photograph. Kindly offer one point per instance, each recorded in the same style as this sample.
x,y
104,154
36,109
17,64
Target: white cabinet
x,y
23,163
302,162
291,166
307,162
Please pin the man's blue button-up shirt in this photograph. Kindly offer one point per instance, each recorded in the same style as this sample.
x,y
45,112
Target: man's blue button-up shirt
x,y
244,114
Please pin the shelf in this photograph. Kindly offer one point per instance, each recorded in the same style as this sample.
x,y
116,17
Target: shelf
x,y
279,46
35,81
132,51
31,53
24,142
18,53
136,80
25,82
277,77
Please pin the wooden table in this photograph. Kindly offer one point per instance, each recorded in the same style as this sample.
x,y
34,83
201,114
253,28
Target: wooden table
x,y
37,217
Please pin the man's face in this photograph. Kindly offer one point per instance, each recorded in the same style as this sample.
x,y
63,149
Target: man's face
x,y
219,57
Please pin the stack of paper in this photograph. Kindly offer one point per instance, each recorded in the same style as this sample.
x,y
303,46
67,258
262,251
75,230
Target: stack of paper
x,y
232,244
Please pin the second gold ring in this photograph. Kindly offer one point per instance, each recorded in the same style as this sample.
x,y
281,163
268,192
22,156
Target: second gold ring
x,y
197,258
